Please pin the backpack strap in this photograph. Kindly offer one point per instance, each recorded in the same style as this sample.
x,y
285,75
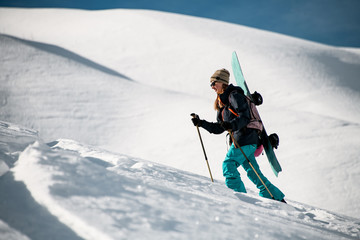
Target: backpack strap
x,y
233,112
229,105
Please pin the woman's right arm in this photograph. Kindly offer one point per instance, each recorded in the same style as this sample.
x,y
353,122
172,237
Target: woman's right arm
x,y
211,127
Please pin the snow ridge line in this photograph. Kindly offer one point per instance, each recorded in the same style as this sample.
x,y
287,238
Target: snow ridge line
x,y
37,180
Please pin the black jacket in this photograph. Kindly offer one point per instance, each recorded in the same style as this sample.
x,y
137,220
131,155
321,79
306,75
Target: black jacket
x,y
237,112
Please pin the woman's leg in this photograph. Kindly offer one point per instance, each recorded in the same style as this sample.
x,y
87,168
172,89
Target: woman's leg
x,y
277,194
230,172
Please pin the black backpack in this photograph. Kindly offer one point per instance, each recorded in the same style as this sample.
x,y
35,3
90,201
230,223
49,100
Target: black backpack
x,y
255,120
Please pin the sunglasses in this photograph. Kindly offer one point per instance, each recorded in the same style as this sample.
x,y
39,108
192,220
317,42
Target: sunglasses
x,y
213,83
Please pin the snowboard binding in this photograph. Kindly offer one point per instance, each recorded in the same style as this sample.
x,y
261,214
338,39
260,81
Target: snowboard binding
x,y
257,98
274,140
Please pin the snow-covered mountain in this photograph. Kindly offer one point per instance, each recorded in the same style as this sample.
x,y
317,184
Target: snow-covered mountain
x,y
125,81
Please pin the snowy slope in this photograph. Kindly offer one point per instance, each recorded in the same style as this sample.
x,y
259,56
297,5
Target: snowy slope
x,y
96,194
126,81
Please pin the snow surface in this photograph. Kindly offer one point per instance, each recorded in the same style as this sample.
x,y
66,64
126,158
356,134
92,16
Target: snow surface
x,y
97,194
125,82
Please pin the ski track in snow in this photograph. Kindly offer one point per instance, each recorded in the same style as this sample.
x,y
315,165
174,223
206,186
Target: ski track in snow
x,y
117,96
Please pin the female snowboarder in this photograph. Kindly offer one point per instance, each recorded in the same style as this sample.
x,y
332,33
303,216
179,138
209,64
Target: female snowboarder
x,y
233,115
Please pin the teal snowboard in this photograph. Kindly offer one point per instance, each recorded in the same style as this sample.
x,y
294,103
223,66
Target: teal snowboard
x,y
240,80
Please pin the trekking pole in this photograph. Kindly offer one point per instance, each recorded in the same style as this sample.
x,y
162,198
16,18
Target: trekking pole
x,y
207,162
238,146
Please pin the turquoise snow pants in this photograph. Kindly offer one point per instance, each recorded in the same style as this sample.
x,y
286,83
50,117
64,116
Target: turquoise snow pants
x,y
234,158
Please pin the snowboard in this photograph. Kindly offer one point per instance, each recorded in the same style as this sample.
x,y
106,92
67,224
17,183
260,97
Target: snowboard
x,y
240,81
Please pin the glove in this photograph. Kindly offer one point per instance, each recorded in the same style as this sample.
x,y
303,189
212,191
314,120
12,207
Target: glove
x,y
226,125
196,120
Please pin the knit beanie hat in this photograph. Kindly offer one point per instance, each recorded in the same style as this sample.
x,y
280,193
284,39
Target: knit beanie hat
x,y
221,75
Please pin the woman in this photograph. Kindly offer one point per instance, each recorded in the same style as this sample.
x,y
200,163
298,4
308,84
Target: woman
x,y
233,115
